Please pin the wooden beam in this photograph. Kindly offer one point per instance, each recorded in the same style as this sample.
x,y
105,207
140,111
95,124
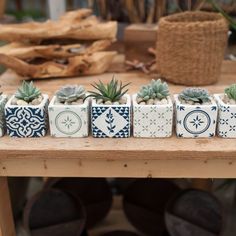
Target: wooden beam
x,y
6,218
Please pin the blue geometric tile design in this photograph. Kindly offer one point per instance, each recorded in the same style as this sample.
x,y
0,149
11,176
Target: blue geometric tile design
x,y
23,121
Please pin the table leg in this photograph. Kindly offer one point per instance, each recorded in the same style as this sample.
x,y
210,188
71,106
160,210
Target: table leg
x,y
6,218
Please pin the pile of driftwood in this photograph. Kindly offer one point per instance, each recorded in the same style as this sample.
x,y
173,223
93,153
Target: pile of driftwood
x,y
72,46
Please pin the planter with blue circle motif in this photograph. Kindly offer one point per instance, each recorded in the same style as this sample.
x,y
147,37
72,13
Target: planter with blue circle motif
x,y
111,121
3,100
26,121
226,127
195,121
68,120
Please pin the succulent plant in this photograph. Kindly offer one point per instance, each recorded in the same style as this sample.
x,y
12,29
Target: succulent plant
x,y
196,95
70,93
231,92
27,92
113,91
156,89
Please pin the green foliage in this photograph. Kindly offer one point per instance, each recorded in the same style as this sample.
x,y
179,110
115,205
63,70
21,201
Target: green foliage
x,y
231,92
113,91
27,92
156,89
70,93
196,95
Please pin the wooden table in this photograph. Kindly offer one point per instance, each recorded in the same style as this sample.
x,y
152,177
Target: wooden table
x,y
132,157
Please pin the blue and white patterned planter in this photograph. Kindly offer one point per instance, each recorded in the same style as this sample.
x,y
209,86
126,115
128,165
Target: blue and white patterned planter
x,y
152,121
227,118
26,121
68,120
3,100
111,120
195,121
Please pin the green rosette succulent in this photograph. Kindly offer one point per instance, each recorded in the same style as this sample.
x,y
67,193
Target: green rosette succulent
x,y
70,93
231,92
27,92
196,95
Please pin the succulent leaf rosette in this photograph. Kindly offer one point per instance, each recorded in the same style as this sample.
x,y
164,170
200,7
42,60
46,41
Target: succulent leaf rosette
x,y
231,92
70,93
27,92
155,90
195,95
111,92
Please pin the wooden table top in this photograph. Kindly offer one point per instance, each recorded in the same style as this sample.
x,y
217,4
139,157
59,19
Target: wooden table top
x,y
131,157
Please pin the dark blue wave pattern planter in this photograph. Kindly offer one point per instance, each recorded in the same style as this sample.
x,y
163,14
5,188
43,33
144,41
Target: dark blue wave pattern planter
x,y
26,121
226,127
3,100
195,121
111,121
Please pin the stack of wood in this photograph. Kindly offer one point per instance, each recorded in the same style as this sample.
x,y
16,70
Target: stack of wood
x,y
72,46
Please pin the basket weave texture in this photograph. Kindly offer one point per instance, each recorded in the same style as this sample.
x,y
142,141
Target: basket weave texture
x,y
191,46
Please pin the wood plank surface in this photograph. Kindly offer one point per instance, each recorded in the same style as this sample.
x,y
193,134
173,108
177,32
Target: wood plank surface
x,y
131,157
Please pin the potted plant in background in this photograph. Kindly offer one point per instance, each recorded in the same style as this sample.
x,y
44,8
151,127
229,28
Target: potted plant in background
x,y
196,113
3,100
110,110
153,111
68,112
227,112
26,112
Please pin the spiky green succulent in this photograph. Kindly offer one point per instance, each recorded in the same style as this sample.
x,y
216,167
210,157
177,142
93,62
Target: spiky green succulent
x,y
155,90
196,95
70,93
27,92
113,91
231,92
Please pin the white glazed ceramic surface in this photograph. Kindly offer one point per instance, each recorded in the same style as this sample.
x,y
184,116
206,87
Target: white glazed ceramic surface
x,y
111,120
227,118
26,121
195,121
3,100
152,121
68,120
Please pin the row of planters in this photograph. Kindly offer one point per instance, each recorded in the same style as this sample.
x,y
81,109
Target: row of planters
x,y
197,113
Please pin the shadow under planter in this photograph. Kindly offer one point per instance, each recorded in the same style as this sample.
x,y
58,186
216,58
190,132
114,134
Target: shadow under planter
x,y
68,120
111,121
26,121
3,100
227,118
195,121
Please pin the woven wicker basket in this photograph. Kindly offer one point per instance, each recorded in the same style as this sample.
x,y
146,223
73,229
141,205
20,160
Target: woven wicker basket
x,y
190,47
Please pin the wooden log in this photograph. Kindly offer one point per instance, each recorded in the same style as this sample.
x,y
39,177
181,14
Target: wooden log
x,y
95,63
73,25
29,51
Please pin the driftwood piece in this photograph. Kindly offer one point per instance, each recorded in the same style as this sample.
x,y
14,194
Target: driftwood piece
x,y
95,63
29,51
75,25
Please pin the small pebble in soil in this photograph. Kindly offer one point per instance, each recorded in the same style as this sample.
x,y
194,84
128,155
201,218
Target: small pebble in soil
x,y
99,101
14,101
21,103
139,99
142,103
164,101
116,103
108,103
123,100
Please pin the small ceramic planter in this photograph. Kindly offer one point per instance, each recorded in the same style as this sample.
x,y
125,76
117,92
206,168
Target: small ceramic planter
x,y
26,121
152,121
227,118
195,121
111,120
3,100
68,120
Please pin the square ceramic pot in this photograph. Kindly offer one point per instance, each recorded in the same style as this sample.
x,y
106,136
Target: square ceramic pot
x,y
195,121
3,100
68,120
26,121
152,121
111,120
227,118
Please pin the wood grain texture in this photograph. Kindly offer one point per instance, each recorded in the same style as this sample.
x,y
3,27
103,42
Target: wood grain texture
x,y
6,218
132,157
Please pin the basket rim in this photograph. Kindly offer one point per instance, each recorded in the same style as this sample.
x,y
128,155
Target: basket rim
x,y
169,19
